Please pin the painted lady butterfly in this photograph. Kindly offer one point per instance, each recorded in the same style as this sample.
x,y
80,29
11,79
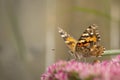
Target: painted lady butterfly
x,y
87,45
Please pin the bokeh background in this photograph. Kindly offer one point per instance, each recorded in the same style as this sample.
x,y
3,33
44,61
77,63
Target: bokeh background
x,y
29,39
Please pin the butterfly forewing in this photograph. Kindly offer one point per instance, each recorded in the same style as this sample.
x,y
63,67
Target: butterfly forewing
x,y
69,40
91,34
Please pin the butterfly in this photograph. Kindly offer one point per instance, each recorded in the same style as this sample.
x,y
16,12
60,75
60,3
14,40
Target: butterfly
x,y
87,45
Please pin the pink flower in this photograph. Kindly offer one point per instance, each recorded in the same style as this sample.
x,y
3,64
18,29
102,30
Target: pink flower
x,y
74,70
61,75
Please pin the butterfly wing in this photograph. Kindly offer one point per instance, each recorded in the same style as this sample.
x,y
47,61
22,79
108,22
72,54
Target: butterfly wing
x,y
91,34
88,43
69,40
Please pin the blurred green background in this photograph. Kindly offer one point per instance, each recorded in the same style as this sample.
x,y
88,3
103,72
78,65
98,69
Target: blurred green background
x,y
29,39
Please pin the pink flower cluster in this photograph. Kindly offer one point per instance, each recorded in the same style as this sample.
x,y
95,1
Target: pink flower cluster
x,y
74,70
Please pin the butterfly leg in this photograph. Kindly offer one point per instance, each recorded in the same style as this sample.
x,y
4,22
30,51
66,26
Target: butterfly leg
x,y
78,56
74,55
71,53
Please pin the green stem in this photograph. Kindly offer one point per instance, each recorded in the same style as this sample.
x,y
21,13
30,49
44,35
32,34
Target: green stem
x,y
111,52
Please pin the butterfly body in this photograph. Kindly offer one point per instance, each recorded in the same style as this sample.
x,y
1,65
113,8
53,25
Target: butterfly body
x,y
87,45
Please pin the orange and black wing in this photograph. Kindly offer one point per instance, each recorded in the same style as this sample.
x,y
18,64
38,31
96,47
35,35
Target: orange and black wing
x,y
90,35
69,40
88,43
